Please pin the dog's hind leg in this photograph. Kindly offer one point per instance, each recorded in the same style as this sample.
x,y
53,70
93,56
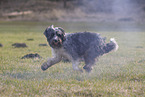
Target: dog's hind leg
x,y
89,59
50,62
88,64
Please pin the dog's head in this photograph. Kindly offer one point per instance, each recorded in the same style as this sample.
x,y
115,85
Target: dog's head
x,y
55,36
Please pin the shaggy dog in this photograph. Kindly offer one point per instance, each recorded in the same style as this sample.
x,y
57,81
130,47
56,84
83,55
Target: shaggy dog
x,y
75,47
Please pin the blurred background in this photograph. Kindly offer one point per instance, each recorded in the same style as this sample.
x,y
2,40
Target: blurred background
x,y
73,10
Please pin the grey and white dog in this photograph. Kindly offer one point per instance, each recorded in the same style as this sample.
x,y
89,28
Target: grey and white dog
x,y
75,47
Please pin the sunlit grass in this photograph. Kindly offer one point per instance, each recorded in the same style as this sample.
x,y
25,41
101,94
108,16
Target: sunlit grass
x,y
120,73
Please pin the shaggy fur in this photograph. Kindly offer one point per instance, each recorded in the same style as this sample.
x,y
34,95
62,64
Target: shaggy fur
x,y
75,47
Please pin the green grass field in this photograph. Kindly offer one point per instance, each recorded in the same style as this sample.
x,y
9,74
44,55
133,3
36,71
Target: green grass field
x,y
117,74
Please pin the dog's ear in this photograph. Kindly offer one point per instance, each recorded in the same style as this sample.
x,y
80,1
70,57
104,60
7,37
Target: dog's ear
x,y
63,38
61,30
48,28
45,32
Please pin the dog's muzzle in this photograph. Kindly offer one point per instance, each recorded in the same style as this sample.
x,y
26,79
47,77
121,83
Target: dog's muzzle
x,y
56,42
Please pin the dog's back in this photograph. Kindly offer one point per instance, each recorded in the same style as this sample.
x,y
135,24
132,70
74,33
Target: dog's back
x,y
77,44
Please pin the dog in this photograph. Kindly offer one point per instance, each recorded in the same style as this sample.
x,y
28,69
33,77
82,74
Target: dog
x,y
77,46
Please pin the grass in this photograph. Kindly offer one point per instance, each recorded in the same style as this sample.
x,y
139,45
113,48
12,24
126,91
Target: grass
x,y
116,74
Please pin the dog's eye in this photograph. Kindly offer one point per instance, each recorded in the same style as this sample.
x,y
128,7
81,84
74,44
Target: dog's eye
x,y
58,33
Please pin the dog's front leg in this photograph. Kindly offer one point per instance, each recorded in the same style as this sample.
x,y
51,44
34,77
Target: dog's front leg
x,y
50,62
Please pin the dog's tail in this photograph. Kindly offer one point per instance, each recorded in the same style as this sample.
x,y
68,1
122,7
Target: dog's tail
x,y
112,46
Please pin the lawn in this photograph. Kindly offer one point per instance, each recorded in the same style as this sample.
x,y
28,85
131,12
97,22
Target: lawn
x,y
120,73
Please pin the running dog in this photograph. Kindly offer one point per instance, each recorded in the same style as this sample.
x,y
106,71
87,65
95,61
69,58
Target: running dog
x,y
75,47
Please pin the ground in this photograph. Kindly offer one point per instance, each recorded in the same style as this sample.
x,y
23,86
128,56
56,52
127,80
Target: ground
x,y
116,74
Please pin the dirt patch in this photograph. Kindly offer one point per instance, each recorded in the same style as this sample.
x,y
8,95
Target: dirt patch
x,y
15,14
1,45
30,39
42,44
18,45
31,56
126,19
139,46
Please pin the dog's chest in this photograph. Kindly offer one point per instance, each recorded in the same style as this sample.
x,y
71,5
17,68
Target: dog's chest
x,y
61,52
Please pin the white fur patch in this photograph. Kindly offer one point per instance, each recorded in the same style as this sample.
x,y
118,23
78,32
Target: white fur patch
x,y
116,45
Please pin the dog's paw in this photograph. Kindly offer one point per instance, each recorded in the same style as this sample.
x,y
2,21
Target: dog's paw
x,y
87,69
44,66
